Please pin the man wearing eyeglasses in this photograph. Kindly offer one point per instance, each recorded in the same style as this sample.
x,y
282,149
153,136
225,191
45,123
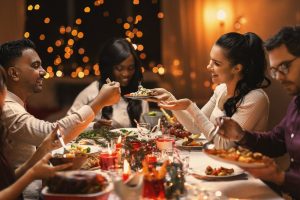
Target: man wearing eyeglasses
x,y
284,53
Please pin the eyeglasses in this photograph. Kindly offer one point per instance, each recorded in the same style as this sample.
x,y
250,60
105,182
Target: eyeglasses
x,y
283,68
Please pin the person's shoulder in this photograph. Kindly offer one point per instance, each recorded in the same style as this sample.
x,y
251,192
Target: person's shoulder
x,y
220,88
257,95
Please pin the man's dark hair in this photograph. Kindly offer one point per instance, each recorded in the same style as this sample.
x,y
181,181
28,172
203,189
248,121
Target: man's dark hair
x,y
9,51
289,36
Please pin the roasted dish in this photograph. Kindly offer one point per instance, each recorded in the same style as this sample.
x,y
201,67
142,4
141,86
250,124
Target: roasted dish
x,y
142,92
221,171
239,154
77,182
191,142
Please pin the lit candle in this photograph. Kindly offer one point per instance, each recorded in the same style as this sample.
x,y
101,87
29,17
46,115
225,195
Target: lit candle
x,y
119,144
126,170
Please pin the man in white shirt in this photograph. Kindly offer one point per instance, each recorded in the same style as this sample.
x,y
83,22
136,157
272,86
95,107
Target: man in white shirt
x,y
25,77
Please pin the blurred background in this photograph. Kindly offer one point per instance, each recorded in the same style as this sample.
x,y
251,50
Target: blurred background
x,y
173,39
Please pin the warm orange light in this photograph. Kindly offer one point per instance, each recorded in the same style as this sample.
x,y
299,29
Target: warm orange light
x,y
81,51
47,76
139,34
129,19
161,71
143,56
86,72
73,74
160,15
80,75
78,21
140,47
206,84
80,35
74,32
49,69
42,37
96,67
136,2
126,25
67,55
47,20
30,7
58,43
62,30
87,9
37,7
155,70
59,73
85,59
26,35
139,17
68,29
70,42
50,49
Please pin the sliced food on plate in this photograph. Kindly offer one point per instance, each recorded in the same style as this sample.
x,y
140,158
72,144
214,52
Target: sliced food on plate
x,y
237,155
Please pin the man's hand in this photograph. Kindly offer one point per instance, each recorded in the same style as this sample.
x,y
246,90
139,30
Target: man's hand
x,y
102,122
230,129
50,142
180,104
109,94
269,172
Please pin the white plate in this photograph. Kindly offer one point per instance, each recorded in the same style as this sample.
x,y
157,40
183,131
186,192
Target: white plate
x,y
94,149
201,172
241,164
139,97
131,131
178,144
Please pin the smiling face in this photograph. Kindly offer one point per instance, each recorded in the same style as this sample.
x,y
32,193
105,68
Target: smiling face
x,y
124,71
28,71
291,80
220,67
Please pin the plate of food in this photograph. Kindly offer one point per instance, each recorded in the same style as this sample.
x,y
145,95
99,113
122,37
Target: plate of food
x,y
79,155
189,143
219,172
142,93
129,131
238,156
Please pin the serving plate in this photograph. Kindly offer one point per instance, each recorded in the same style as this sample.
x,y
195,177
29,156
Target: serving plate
x,y
179,145
202,175
235,162
139,97
129,131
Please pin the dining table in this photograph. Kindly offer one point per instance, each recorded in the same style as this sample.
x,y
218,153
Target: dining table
x,y
239,186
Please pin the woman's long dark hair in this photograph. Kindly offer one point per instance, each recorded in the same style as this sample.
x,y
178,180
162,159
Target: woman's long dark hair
x,y
248,51
113,53
3,133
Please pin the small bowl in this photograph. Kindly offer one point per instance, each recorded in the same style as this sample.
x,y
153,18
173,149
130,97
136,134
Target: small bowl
x,y
78,160
152,117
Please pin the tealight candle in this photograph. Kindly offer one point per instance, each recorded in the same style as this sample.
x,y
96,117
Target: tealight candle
x,y
119,144
126,170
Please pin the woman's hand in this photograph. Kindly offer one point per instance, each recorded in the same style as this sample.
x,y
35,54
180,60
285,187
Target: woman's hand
x,y
230,129
161,94
269,172
109,94
102,122
42,169
181,104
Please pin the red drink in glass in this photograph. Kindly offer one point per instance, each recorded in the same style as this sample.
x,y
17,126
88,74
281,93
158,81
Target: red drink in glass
x,y
165,142
108,160
153,188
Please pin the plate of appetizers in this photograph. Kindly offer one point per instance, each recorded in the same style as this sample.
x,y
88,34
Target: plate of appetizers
x,y
142,93
238,156
189,143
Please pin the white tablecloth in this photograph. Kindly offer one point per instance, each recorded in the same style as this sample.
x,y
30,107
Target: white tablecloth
x,y
245,187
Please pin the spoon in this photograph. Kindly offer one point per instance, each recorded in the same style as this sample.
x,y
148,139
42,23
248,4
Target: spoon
x,y
210,144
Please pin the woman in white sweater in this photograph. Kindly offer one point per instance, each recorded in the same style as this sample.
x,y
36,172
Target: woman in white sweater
x,y
119,62
238,64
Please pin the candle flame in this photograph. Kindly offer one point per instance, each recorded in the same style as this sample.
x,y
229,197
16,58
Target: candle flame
x,y
126,167
109,149
119,139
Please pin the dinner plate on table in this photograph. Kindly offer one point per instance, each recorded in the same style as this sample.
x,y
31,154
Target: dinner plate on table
x,y
235,162
200,173
179,144
139,97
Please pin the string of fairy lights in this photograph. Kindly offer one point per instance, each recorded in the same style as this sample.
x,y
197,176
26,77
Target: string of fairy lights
x,y
72,35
